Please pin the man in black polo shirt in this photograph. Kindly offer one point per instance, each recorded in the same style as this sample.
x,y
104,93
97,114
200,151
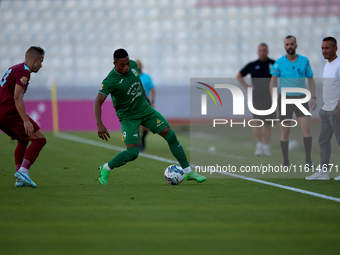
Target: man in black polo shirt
x,y
261,97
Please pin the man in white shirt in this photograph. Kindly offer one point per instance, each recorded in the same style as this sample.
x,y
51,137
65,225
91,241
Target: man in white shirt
x,y
330,111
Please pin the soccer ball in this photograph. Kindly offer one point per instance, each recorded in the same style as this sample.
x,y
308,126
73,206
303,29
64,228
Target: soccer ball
x,y
174,174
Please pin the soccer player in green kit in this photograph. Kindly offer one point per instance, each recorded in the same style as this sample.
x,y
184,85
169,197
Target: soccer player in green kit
x,y
132,109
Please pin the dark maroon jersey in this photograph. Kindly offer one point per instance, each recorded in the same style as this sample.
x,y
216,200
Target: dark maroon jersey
x,y
18,74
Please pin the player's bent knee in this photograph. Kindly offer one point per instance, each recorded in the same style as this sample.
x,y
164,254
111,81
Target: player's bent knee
x,y
37,135
170,136
40,142
307,134
164,132
285,131
133,153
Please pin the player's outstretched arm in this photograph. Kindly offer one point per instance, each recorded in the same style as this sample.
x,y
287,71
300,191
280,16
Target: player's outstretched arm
x,y
97,107
311,83
20,105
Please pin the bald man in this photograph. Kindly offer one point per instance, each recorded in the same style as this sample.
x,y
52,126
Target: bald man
x,y
259,71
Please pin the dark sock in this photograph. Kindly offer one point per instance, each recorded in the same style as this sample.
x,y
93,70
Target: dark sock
x,y
307,141
284,148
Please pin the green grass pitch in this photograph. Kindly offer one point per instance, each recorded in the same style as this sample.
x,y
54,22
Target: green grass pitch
x,y
139,213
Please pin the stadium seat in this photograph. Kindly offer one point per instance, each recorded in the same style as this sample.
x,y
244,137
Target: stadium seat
x,y
216,28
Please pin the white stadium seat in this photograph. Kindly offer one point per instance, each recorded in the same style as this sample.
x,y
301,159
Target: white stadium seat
x,y
211,32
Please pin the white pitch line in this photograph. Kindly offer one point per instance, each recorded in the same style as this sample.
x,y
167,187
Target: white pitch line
x,y
117,148
283,187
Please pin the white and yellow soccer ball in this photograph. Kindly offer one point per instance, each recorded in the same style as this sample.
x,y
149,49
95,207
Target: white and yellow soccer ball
x,y
174,174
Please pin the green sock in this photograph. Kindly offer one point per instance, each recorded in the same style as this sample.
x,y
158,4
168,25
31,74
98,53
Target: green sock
x,y
123,157
176,148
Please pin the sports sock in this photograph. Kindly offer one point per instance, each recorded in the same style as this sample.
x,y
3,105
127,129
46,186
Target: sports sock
x,y
176,149
17,166
26,164
19,153
34,149
187,170
307,141
23,170
284,148
123,157
107,167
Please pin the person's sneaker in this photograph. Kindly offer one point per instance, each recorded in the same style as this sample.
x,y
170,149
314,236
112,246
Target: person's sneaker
x,y
265,150
103,175
194,176
337,178
25,178
19,183
319,175
258,150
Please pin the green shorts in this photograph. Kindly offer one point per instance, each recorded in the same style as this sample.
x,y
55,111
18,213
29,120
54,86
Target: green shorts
x,y
154,121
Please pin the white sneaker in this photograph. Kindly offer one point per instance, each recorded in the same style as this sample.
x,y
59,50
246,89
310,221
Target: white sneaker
x,y
319,175
292,145
337,178
265,150
258,150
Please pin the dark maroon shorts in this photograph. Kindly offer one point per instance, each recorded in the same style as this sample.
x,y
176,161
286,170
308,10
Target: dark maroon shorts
x,y
12,124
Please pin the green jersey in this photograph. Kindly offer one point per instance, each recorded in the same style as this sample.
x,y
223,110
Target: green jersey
x,y
126,93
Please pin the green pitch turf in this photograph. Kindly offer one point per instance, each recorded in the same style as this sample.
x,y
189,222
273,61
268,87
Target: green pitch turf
x,y
139,213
